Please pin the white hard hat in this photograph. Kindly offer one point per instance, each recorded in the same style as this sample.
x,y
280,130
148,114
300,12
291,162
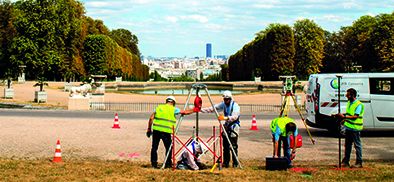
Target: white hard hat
x,y
227,94
198,147
172,98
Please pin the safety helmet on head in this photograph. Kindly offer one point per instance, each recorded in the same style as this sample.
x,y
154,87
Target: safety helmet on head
x,y
170,98
227,94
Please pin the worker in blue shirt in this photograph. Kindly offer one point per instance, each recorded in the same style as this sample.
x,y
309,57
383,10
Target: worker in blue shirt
x,y
282,128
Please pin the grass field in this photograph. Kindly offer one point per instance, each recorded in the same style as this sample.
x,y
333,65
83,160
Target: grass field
x,y
97,170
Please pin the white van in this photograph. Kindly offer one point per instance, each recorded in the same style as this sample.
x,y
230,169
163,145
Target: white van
x,y
374,90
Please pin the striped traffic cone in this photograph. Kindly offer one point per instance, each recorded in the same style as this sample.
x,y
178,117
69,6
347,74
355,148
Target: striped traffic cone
x,y
254,123
58,153
116,122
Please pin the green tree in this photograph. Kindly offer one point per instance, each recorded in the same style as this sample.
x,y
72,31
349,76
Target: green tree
x,y
334,53
383,42
309,48
126,40
281,51
94,55
183,78
8,68
358,44
157,77
35,45
224,72
48,37
70,38
103,55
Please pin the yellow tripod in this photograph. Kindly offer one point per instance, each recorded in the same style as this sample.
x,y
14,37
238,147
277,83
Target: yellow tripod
x,y
285,107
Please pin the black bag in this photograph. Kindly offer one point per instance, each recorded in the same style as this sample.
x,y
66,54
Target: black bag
x,y
280,163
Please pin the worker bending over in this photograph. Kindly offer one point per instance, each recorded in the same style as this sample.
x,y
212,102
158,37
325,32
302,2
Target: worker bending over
x,y
282,128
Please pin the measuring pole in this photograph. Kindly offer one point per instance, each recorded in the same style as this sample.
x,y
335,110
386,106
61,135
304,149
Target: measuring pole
x,y
197,125
339,121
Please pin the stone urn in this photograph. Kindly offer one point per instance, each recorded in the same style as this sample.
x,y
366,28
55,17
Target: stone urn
x,y
40,96
8,93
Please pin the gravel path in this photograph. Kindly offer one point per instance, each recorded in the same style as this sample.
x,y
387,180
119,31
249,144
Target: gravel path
x,y
26,137
81,138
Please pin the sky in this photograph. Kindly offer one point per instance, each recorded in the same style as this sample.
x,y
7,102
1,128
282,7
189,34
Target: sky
x,y
182,28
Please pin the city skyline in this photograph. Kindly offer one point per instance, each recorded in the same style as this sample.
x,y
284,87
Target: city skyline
x,y
182,28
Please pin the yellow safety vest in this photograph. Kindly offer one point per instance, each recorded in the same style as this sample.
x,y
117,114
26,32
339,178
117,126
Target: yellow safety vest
x,y
355,124
281,123
164,118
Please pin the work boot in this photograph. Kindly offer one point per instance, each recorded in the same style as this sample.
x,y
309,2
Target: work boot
x,y
225,165
345,164
154,165
168,166
357,165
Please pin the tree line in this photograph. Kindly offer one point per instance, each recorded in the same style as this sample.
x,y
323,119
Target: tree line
x,y
365,46
55,40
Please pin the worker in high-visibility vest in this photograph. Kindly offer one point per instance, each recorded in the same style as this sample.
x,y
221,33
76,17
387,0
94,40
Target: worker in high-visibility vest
x,y
353,123
282,128
161,121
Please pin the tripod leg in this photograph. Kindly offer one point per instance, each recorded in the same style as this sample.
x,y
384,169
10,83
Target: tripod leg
x,y
303,120
177,126
285,108
224,131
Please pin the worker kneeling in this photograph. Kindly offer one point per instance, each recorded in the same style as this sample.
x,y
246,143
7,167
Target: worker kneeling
x,y
191,161
282,128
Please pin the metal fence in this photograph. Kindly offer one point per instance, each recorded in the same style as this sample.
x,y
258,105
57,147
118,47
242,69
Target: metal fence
x,y
149,107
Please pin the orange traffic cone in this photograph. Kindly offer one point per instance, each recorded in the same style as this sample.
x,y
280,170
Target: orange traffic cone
x,y
58,153
116,122
254,123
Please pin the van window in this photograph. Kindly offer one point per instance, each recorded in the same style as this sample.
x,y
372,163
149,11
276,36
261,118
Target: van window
x,y
382,86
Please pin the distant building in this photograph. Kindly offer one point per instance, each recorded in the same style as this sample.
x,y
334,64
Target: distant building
x,y
223,57
209,50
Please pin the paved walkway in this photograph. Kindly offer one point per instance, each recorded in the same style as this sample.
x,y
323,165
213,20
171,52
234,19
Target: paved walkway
x,y
24,93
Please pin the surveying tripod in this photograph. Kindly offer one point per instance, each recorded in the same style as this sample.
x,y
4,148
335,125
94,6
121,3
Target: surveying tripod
x,y
285,107
197,87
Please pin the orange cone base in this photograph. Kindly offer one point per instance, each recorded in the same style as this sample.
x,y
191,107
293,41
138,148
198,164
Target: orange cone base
x,y
253,128
57,159
116,127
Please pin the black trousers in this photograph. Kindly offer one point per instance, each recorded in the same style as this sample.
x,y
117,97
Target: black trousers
x,y
227,149
156,137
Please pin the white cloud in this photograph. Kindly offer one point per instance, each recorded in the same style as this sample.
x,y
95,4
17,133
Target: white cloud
x,y
333,18
141,1
263,6
171,19
350,4
197,18
98,4
215,27
268,4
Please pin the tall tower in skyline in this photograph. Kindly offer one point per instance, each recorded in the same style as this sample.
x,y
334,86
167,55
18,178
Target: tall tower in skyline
x,y
209,50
